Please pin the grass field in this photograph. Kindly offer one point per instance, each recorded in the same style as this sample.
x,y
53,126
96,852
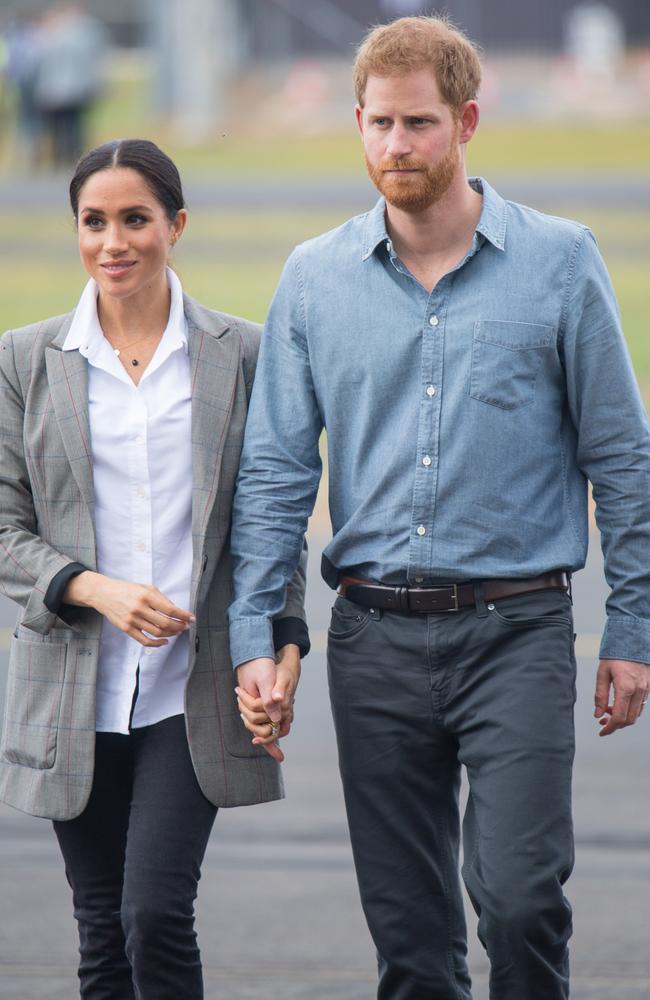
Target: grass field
x,y
231,259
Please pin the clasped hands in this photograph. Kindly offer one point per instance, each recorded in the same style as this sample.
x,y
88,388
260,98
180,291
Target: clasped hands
x,y
265,694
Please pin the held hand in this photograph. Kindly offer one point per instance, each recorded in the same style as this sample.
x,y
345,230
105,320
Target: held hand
x,y
630,682
265,696
287,677
142,611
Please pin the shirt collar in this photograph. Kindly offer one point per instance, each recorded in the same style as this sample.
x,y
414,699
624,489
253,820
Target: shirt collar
x,y
491,225
85,334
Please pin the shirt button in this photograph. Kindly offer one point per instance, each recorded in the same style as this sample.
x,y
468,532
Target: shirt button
x,y
389,246
142,547
419,579
433,321
421,530
139,439
426,461
431,390
148,651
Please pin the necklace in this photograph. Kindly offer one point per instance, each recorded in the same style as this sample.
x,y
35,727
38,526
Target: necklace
x,y
118,350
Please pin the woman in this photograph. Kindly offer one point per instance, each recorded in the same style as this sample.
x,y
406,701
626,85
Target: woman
x,y
121,427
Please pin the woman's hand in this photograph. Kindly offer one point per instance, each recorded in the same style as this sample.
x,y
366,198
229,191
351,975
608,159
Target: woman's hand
x,y
251,701
142,611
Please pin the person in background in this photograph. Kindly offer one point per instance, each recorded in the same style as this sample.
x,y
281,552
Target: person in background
x,y
21,40
121,427
68,77
465,355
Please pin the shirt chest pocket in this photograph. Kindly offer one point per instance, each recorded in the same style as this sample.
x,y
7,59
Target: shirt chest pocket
x,y
506,357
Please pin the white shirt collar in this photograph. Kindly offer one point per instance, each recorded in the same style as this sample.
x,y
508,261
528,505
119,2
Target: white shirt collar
x,y
85,334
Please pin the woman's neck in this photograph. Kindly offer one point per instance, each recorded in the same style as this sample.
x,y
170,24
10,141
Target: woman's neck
x,y
143,314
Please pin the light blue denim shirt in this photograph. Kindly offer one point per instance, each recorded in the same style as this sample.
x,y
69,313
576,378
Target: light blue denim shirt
x,y
462,424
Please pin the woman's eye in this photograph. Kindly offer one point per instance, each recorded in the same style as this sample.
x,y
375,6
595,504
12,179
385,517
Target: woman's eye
x,y
136,220
93,222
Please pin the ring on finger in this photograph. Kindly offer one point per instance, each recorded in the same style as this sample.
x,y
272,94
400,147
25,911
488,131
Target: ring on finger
x,y
275,729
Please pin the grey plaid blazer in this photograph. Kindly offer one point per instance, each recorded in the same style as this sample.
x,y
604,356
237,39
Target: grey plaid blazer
x,y
46,521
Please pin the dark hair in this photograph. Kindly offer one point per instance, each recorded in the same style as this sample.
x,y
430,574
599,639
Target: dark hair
x,y
155,167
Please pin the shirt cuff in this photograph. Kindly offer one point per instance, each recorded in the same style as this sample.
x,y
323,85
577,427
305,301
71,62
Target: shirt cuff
x,y
251,638
54,594
626,639
286,630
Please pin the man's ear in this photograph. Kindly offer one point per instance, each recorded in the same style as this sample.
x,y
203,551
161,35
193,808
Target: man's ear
x,y
468,119
358,114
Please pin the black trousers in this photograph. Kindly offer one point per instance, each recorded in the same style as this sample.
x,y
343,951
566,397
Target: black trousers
x,y
416,697
133,860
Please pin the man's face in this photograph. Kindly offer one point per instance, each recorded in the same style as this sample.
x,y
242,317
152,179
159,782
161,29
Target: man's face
x,y
411,139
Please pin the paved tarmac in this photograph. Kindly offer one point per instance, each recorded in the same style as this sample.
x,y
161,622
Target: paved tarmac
x,y
278,913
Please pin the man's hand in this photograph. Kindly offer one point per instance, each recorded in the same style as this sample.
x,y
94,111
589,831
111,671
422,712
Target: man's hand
x,y
140,610
630,682
265,696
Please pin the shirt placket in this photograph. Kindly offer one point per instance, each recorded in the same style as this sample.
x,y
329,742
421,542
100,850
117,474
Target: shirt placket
x,y
141,519
427,458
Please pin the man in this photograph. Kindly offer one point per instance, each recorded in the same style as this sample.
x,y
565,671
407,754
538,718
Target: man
x,y
465,356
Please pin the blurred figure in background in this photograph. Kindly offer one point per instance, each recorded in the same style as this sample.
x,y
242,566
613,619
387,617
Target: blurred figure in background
x,y
21,41
68,78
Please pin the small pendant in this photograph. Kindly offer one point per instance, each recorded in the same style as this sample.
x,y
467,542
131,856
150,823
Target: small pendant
x,y
116,351
135,362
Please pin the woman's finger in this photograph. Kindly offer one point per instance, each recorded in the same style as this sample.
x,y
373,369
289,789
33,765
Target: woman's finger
x,y
253,703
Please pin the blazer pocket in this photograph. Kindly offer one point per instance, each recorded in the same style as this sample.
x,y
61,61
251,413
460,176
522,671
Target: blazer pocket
x,y
33,703
506,357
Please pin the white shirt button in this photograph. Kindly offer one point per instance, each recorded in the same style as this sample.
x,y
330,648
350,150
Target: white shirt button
x,y
140,492
142,547
139,439
426,461
433,320
419,579
389,246
421,530
148,651
431,390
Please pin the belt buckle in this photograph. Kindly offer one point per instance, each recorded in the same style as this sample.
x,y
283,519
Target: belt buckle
x,y
450,590
454,596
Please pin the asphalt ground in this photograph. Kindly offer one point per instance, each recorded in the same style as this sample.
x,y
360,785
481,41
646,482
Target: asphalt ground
x,y
278,913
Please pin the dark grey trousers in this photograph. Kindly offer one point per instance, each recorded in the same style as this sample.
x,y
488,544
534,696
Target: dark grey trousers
x,y
414,698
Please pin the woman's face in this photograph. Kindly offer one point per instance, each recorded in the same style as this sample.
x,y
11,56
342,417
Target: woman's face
x,y
124,233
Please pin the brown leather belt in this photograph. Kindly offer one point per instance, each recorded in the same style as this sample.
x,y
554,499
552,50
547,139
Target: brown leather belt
x,y
448,597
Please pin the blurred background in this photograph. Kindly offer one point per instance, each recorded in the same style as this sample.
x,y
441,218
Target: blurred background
x,y
254,101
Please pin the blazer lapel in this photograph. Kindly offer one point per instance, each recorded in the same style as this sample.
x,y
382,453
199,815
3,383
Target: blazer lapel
x,y
214,350
67,373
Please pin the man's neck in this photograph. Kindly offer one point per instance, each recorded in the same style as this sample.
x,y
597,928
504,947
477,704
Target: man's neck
x,y
438,231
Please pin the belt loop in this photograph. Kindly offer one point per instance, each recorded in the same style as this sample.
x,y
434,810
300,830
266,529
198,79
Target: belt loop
x,y
402,599
569,588
479,600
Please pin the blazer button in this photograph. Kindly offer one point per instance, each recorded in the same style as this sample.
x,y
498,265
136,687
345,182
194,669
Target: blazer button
x,y
197,643
205,563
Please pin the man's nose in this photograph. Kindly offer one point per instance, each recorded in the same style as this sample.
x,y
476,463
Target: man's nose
x,y
399,142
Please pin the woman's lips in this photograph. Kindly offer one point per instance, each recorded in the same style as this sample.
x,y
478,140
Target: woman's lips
x,y
117,269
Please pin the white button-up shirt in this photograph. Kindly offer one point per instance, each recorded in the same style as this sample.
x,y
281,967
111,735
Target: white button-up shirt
x,y
142,468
